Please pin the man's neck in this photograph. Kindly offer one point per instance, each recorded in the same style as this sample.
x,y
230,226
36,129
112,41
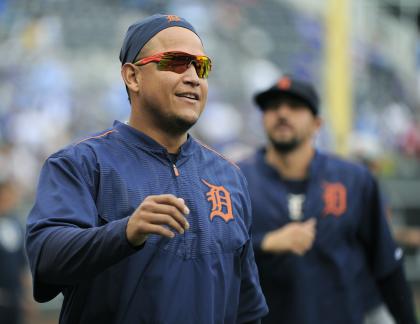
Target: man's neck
x,y
171,142
293,165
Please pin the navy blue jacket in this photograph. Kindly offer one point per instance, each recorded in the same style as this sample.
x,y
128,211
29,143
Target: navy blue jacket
x,y
77,245
335,281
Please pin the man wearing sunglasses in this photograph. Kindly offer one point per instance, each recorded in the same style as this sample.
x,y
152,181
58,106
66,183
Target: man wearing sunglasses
x,y
141,223
322,242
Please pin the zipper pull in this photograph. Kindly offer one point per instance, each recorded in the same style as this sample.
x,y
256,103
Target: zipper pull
x,y
176,171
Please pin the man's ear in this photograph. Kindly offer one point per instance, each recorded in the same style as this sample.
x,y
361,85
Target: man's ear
x,y
128,73
318,122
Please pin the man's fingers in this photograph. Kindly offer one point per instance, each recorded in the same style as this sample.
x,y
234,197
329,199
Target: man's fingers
x,y
311,222
160,230
154,215
309,239
169,199
310,227
164,219
172,212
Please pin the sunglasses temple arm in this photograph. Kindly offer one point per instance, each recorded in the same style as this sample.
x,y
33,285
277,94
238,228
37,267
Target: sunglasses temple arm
x,y
149,60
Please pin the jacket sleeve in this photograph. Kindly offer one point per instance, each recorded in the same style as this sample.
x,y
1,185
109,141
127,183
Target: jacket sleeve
x,y
252,304
383,254
64,242
398,297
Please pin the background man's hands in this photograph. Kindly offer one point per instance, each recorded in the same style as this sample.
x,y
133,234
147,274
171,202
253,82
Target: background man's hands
x,y
295,237
157,215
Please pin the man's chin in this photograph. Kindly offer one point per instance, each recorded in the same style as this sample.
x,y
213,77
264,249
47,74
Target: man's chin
x,y
285,146
181,126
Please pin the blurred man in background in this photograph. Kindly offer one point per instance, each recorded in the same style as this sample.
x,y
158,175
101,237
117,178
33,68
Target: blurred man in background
x,y
13,266
322,242
141,223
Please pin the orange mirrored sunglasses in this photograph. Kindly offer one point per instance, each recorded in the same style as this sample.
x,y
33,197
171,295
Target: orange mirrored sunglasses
x,y
179,62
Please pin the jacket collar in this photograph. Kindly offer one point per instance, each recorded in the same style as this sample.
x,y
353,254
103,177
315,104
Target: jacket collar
x,y
315,167
146,143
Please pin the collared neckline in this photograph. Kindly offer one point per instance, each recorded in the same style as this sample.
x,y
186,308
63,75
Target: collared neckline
x,y
145,142
314,166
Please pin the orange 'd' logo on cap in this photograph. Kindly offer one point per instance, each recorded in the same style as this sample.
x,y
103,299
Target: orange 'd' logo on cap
x,y
172,18
284,83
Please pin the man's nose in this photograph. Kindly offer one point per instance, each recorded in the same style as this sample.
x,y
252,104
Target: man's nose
x,y
191,76
283,108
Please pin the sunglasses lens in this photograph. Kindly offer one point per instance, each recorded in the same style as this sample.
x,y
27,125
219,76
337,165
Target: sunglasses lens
x,y
180,62
174,62
202,66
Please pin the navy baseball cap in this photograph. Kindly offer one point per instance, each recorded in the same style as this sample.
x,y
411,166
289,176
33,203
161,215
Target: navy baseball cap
x,y
139,33
300,89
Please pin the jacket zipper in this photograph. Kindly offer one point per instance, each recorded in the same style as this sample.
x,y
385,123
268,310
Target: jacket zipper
x,y
176,171
184,241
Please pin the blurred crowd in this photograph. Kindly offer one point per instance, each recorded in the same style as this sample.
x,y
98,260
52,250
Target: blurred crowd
x,y
60,76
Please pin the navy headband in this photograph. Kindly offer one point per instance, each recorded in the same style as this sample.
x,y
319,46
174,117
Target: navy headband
x,y
139,33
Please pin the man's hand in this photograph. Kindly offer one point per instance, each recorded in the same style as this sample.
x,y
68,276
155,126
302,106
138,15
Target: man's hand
x,y
154,215
294,237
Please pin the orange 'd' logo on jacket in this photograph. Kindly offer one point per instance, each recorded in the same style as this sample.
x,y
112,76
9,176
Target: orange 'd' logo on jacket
x,y
220,200
335,199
